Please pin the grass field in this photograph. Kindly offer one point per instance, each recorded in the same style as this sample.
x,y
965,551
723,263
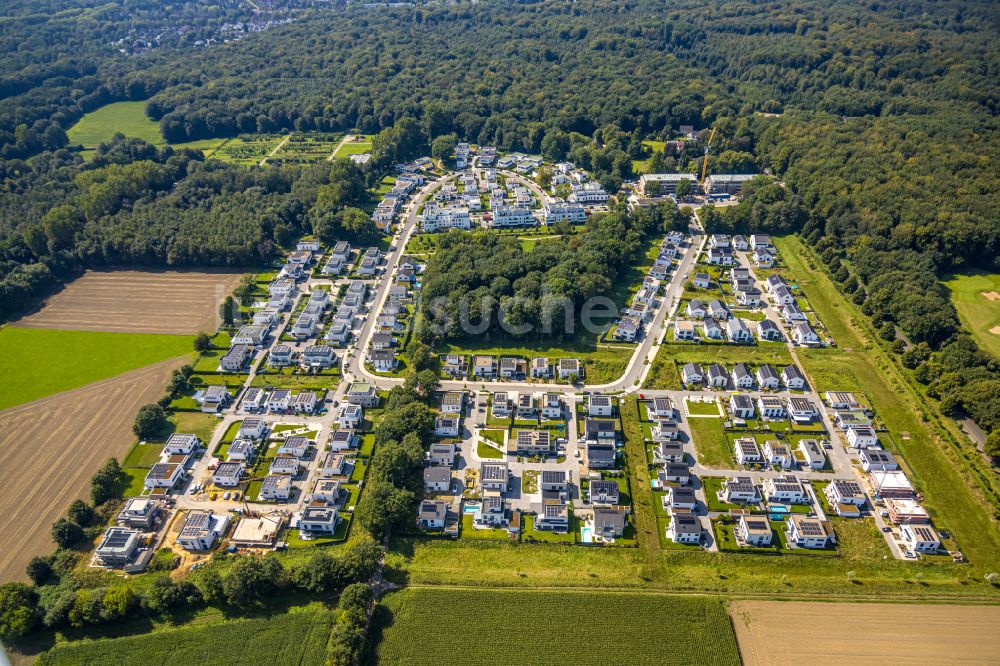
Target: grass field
x,y
130,119
354,147
977,299
39,362
249,149
291,638
535,627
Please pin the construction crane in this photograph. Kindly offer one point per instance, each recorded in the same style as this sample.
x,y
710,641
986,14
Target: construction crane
x,y
704,163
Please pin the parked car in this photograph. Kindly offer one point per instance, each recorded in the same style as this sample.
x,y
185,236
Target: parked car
x,y
225,495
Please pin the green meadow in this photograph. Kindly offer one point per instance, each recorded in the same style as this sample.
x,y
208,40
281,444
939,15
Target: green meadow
x,y
976,297
37,362
130,119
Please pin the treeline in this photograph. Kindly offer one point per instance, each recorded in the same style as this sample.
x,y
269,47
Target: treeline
x,y
137,205
484,283
964,378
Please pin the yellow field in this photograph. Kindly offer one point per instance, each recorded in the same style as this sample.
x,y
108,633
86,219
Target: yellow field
x,y
790,632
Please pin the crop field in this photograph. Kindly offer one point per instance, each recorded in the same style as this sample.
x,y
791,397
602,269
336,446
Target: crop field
x,y
37,362
49,448
432,626
306,147
182,302
129,118
248,149
977,299
290,638
771,632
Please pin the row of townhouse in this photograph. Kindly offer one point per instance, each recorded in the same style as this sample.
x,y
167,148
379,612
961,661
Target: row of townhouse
x,y
643,305
514,367
764,377
525,406
773,408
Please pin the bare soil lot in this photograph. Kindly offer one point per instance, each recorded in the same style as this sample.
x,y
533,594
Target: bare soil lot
x,y
182,302
49,449
779,632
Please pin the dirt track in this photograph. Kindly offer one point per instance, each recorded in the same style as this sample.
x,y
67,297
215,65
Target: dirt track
x,y
136,302
49,449
779,632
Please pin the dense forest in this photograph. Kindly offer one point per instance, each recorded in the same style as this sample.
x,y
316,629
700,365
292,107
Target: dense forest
x,y
488,283
879,120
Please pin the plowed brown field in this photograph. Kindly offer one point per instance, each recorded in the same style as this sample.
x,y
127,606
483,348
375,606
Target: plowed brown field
x,y
49,449
791,632
181,302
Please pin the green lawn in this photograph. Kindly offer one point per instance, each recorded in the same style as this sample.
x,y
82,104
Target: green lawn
x,y
487,451
544,627
711,443
130,119
978,313
354,148
36,362
290,638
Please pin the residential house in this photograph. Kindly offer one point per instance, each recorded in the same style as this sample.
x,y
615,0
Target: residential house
x,y
296,445
252,429
492,511
276,488
767,378
381,340
894,484
862,438
228,474
437,478
568,367
446,426
351,416
139,513
236,358
512,367
792,377
280,401
763,259
717,376
786,490
553,481
771,407
695,309
741,406
603,492
442,454
679,500
241,450
760,241
280,356
806,532
628,329
906,511
737,331
552,406
342,439
524,407
163,476
494,476
665,429
711,329
844,491
782,295
334,464
742,379
541,367
749,298
803,334
452,402
484,366
720,257
601,455
692,373
675,473
318,357
284,465
254,400
683,330
362,394
660,408
339,332
600,405
920,538
878,460
740,490
250,335
812,454
778,453
455,365
531,442
432,514
319,519
802,410
553,517
841,400
118,547
747,451
668,452
684,528
502,406
609,522
702,280
754,530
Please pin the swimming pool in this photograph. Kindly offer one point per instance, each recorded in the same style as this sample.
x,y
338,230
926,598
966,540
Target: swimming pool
x,y
587,534
470,508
